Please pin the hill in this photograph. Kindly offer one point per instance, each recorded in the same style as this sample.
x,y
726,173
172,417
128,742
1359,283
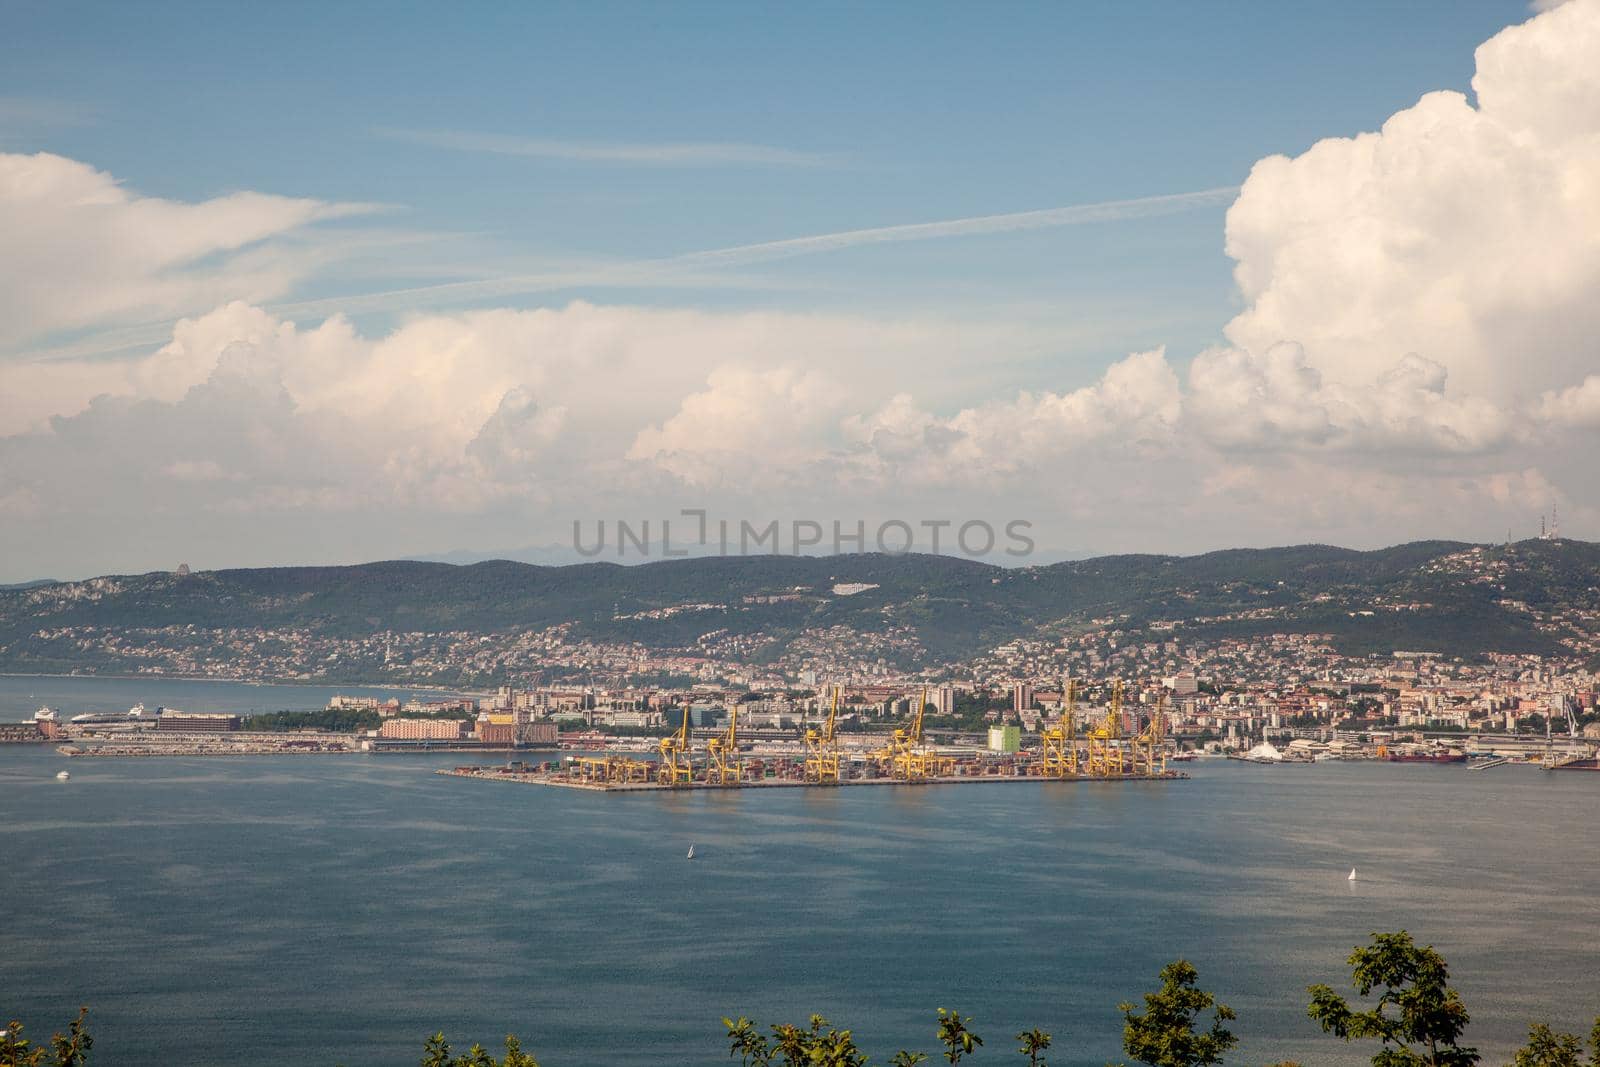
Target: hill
x,y
1449,597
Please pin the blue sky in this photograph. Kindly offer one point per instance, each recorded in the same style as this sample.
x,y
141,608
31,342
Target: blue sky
x,y
911,113
575,142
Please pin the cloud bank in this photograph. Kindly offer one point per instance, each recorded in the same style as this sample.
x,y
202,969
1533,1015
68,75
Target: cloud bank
x,y
1414,355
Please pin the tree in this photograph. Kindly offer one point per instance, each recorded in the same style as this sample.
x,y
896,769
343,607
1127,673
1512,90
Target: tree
x,y
820,1045
1165,1035
1415,1006
1552,1048
1033,1043
436,1053
957,1040
66,1050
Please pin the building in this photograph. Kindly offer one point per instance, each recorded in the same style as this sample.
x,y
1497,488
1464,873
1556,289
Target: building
x,y
1184,683
944,700
497,733
195,722
1021,697
537,733
1005,738
423,729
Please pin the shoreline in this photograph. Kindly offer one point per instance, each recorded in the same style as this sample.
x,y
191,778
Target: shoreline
x,y
247,681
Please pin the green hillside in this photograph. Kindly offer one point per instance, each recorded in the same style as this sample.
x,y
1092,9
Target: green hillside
x,y
1442,596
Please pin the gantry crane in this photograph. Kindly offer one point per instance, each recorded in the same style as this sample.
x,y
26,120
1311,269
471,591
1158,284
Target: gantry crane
x,y
1059,743
676,768
1105,740
611,769
822,747
723,766
1149,749
907,758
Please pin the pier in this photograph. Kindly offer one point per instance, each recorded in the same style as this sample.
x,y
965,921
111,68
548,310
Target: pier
x,y
566,780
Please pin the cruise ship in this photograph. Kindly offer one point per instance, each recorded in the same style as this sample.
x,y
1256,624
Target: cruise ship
x,y
137,713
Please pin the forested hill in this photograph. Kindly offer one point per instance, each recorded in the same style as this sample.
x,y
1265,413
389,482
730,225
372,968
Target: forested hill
x,y
1533,596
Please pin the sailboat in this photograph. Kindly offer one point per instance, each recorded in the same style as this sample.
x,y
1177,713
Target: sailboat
x,y
1352,875
691,852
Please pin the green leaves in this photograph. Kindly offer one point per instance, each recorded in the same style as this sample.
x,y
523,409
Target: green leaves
x,y
816,1045
957,1040
1165,1034
66,1050
1033,1043
436,1053
1417,1016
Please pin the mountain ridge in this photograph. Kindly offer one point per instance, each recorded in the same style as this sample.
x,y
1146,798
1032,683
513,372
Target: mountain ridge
x,y
1454,597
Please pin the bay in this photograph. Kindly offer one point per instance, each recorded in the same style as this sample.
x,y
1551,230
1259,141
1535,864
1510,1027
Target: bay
x,y
321,910
23,694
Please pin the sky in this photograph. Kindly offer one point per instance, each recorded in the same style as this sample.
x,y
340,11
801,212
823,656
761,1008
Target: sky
x,y
330,283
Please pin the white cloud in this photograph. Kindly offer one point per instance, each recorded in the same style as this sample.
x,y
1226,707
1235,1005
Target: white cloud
x,y
1278,399
80,249
1469,235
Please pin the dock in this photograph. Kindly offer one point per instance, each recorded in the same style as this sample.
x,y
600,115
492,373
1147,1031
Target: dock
x,y
566,781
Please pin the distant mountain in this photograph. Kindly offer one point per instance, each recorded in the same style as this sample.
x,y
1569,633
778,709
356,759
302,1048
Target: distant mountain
x,y
29,585
1442,596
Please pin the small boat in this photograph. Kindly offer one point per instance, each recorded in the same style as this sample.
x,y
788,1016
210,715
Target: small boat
x,y
1352,875
62,776
691,852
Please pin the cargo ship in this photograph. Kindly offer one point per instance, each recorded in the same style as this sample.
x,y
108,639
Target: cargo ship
x,y
1421,755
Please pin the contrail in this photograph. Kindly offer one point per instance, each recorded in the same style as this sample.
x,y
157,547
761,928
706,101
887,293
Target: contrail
x,y
1104,211
688,270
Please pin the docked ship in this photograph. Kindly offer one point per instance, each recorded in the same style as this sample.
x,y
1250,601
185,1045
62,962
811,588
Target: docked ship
x,y
1421,755
1591,763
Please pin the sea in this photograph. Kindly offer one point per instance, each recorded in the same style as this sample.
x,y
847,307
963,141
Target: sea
x,y
338,909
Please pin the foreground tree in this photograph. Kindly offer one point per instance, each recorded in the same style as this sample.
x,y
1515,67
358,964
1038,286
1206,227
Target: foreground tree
x,y
1417,1016
819,1045
436,1053
1553,1048
70,1049
1033,1045
957,1040
1165,1035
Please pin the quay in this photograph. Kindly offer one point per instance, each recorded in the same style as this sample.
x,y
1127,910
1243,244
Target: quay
x,y
560,780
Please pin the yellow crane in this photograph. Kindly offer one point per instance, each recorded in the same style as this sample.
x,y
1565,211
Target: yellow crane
x,y
1149,749
1105,739
723,766
822,748
611,769
1059,743
907,758
675,767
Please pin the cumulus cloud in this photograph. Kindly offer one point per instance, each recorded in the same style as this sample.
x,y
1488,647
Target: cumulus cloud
x,y
1278,399
1134,407
1416,332
1468,234
80,248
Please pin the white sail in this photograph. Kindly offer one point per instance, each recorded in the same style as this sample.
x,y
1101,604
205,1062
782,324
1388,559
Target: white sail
x,y
1352,875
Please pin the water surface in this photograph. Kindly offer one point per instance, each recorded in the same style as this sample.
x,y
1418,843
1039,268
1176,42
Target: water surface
x,y
273,910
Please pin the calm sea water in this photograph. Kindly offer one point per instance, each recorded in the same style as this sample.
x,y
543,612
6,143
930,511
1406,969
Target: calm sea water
x,y
22,695
321,910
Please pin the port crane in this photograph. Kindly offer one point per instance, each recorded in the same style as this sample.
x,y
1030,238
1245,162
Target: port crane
x,y
908,757
1059,743
822,747
723,766
1149,748
1105,739
676,768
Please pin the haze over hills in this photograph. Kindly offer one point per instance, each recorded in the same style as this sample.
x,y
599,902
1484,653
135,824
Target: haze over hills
x,y
1450,597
